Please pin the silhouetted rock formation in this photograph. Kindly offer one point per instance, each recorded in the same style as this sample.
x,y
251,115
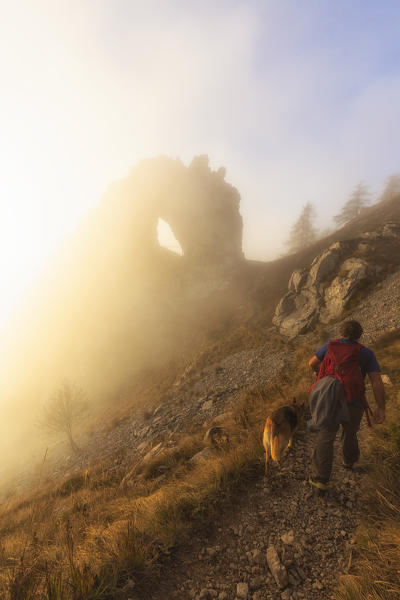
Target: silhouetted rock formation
x,y
200,207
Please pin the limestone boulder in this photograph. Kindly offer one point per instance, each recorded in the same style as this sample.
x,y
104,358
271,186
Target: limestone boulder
x,y
285,307
216,436
297,280
343,287
325,264
321,292
305,307
202,456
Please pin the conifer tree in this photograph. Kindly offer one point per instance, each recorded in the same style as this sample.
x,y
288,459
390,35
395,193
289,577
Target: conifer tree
x,y
358,200
392,187
303,232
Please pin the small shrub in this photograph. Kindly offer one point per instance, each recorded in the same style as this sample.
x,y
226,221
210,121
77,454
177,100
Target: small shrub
x,y
72,485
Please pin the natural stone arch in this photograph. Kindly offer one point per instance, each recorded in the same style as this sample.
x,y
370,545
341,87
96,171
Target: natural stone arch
x,y
201,208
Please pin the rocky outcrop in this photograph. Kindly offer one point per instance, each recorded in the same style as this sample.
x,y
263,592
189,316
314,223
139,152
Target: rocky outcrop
x,y
352,272
201,208
324,264
321,292
300,308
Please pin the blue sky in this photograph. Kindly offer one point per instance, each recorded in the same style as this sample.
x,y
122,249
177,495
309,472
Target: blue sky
x,y
298,99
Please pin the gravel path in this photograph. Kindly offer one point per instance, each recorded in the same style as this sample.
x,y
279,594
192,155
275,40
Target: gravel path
x,y
313,538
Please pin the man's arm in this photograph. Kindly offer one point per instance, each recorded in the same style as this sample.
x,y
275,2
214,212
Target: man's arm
x,y
314,363
379,395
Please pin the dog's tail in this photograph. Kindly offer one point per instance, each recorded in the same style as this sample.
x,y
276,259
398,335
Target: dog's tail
x,y
278,442
275,450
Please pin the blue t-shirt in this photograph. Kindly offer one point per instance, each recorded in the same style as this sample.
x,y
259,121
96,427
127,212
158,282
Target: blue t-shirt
x,y
366,358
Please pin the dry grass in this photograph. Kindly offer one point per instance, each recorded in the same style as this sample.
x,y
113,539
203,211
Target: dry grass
x,y
86,537
375,574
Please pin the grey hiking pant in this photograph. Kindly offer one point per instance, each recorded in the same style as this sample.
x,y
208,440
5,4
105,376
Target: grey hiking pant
x,y
323,449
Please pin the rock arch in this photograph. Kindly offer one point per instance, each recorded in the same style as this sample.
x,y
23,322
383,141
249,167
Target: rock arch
x,y
201,208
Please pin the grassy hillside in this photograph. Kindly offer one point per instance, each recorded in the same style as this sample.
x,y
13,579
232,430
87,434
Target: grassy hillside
x,y
89,537
101,533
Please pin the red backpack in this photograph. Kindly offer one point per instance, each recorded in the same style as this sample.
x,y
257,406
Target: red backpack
x,y
341,362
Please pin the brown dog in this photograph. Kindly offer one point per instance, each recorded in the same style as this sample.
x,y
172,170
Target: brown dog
x,y
279,430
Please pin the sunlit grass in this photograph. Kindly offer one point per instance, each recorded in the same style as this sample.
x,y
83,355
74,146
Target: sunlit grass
x,y
375,571
89,537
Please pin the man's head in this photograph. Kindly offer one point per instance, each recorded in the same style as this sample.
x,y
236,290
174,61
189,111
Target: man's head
x,y
351,330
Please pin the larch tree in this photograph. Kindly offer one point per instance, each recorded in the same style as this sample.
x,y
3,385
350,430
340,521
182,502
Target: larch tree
x,y
359,199
303,232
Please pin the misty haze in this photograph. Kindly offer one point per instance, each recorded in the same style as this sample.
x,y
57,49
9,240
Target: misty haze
x,y
200,205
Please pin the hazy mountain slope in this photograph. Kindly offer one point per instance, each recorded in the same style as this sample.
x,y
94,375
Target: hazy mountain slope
x,y
139,487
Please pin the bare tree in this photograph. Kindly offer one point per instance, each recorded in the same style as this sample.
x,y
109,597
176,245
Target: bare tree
x,y
64,408
359,199
303,232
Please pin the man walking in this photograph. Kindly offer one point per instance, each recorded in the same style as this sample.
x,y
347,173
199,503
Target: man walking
x,y
327,362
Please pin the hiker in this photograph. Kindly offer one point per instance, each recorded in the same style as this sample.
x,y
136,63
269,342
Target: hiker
x,y
341,366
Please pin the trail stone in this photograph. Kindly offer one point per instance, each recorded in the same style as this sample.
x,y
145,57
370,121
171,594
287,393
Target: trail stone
x,y
386,379
277,569
288,538
207,405
202,456
256,582
222,418
207,594
257,557
216,435
242,590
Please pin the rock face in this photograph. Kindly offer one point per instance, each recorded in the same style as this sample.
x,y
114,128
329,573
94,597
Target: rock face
x,y
201,208
353,271
323,291
324,264
300,308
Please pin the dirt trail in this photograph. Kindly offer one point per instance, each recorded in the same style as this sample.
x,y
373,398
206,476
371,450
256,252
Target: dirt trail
x,y
313,538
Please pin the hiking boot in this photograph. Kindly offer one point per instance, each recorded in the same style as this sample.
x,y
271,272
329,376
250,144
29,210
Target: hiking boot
x,y
347,465
318,487
353,467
